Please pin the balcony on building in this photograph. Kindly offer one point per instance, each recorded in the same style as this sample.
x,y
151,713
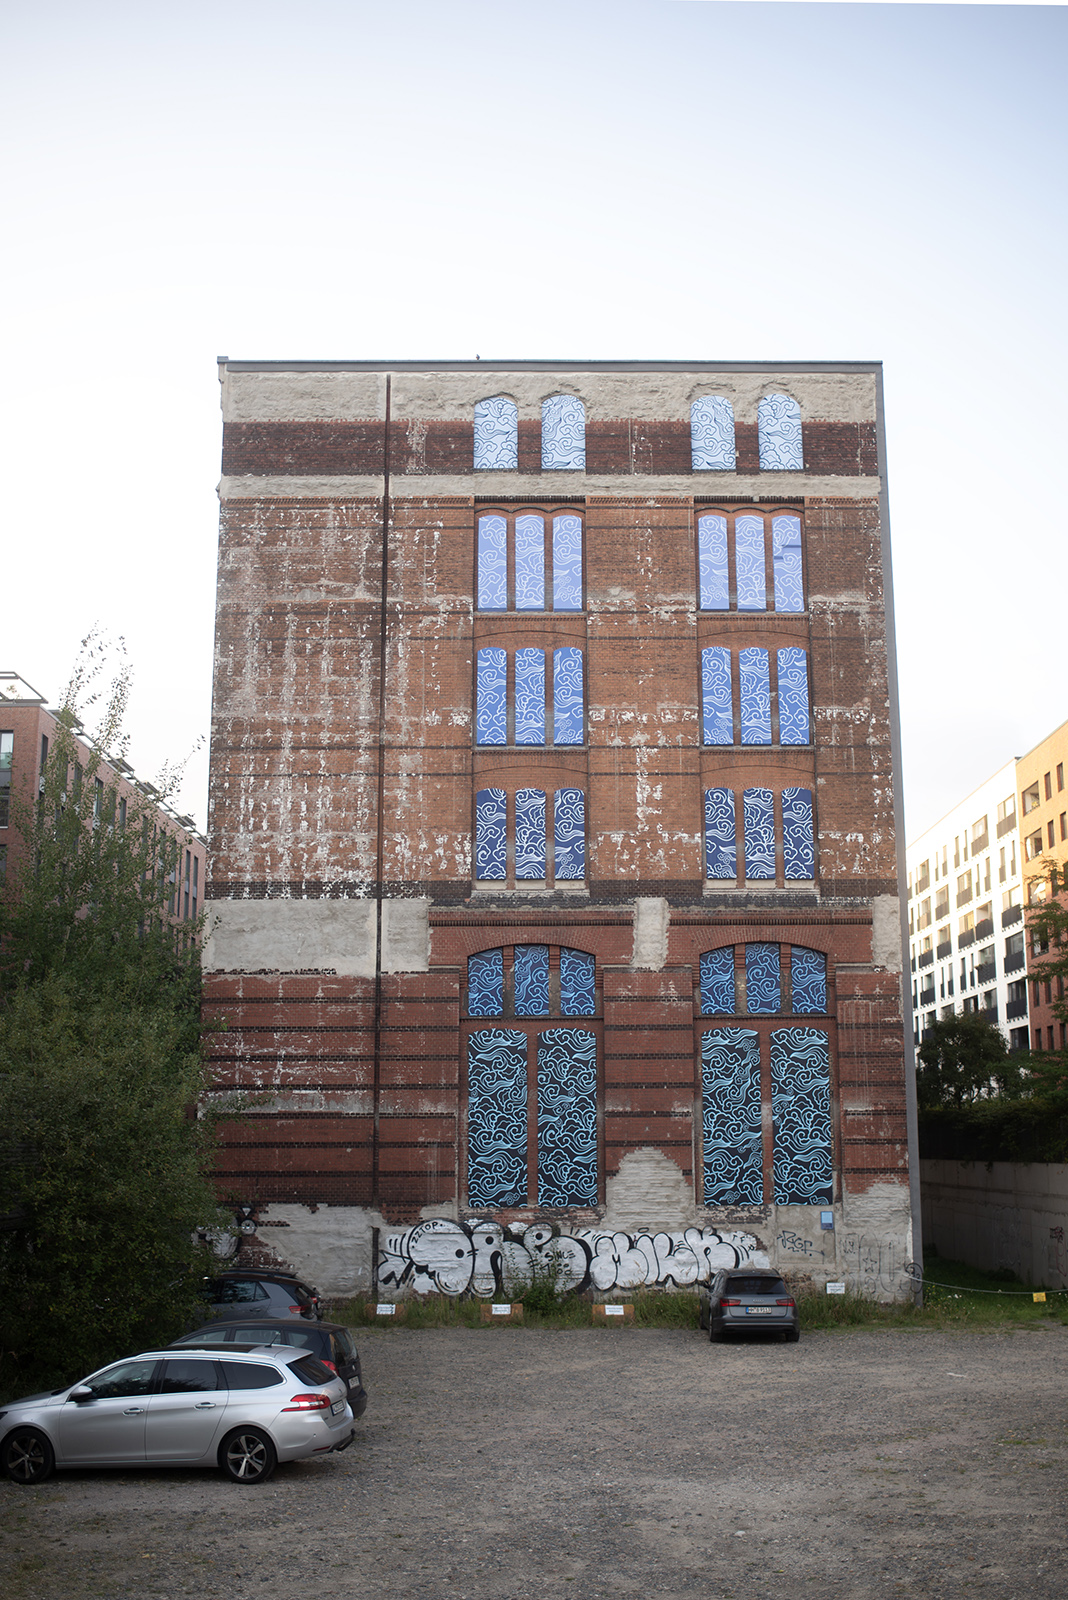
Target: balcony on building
x,y
1013,914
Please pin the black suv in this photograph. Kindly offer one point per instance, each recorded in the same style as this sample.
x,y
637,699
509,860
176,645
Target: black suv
x,y
332,1343
256,1293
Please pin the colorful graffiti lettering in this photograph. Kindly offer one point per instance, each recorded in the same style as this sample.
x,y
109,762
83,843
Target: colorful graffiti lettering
x,y
484,1258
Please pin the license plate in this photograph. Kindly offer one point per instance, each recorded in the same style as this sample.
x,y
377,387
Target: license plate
x,y
338,1405
760,1311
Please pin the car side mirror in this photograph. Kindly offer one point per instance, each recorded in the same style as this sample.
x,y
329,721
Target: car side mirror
x,y
81,1393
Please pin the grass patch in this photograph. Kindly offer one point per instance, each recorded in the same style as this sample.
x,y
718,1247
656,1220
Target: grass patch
x,y
959,1298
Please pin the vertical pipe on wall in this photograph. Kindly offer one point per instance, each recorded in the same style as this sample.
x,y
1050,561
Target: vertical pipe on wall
x,y
380,792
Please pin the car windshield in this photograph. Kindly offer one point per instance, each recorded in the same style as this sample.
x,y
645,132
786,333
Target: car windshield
x,y
773,1286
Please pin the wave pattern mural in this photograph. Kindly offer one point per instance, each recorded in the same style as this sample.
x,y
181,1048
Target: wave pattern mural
x,y
497,1117
563,434
531,980
749,563
786,563
485,984
713,573
721,850
763,983
568,719
733,1140
492,564
717,981
496,435
755,695
567,1117
808,979
491,836
578,985
567,563
717,702
529,562
801,1116
779,433
793,697
529,696
712,434
484,1258
491,702
530,834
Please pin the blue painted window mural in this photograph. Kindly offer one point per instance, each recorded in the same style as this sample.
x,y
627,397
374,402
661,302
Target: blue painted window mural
x,y
496,435
569,723
529,562
497,1118
563,434
731,1119
712,434
568,853
567,1117
721,852
578,989
808,980
531,980
749,562
485,984
569,833
491,835
763,980
801,1116
530,835
717,982
567,563
786,563
492,564
524,533
748,534
530,697
712,566
717,705
491,704
793,697
798,837
779,434
759,820
755,694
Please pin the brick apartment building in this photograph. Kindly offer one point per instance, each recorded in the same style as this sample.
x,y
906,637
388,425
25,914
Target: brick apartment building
x,y
554,894
27,733
1044,826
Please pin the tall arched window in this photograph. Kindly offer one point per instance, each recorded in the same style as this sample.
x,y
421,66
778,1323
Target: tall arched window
x,y
563,434
712,434
779,433
496,435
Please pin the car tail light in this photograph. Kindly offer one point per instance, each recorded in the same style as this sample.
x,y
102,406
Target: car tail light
x,y
730,1302
332,1367
296,1310
308,1402
784,1302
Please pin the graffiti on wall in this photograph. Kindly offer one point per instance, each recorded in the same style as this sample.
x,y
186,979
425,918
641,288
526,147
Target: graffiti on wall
x,y
484,1258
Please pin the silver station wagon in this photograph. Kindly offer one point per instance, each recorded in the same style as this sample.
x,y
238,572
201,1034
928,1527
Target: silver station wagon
x,y
241,1411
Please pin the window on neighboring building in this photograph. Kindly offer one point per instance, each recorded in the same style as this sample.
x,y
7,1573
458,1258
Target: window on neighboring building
x,y
732,561
1047,783
7,755
1060,775
525,851
1030,799
755,696
519,569
563,434
1050,834
496,435
779,432
758,853
523,717
1033,845
712,434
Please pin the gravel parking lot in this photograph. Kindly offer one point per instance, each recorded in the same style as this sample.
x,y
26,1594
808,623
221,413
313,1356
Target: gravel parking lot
x,y
508,1462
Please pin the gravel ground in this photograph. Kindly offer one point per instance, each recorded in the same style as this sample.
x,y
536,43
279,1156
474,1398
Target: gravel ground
x,y
508,1462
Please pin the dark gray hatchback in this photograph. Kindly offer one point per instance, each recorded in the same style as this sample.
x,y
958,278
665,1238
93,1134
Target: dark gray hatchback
x,y
749,1300
330,1341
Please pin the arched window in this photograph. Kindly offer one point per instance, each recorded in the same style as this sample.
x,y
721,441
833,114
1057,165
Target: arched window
x,y
779,433
496,435
531,856
526,534
759,834
563,434
754,677
531,723
733,546
712,434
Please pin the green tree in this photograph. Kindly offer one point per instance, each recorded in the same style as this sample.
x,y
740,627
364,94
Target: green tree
x,y
104,1161
963,1059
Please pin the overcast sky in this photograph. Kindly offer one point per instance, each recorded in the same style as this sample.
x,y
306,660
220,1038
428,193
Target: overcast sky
x,y
662,179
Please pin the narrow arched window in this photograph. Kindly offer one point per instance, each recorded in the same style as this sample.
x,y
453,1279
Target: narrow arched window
x,y
763,979
793,697
491,704
754,687
779,433
491,837
808,979
563,434
530,834
721,854
712,434
798,837
496,435
758,810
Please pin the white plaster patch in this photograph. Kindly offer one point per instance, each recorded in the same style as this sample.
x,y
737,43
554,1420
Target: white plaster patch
x,y
648,1191
333,1246
291,936
405,935
651,919
886,932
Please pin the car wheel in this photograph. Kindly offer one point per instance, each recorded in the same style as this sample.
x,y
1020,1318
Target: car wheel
x,y
715,1335
247,1456
792,1335
27,1456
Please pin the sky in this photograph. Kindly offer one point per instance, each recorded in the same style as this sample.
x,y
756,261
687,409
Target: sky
x,y
526,179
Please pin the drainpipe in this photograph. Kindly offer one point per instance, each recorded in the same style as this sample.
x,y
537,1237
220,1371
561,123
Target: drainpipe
x,y
380,797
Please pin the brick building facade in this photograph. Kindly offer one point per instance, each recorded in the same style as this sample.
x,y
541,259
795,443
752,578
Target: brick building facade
x,y
554,781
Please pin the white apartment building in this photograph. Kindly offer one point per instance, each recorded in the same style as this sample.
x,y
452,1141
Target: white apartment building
x,y
965,902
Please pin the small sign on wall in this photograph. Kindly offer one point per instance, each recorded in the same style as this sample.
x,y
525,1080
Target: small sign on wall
x,y
612,1313
502,1313
385,1308
836,1288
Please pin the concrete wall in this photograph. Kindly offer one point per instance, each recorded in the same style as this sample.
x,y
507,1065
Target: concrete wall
x,y
1002,1215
